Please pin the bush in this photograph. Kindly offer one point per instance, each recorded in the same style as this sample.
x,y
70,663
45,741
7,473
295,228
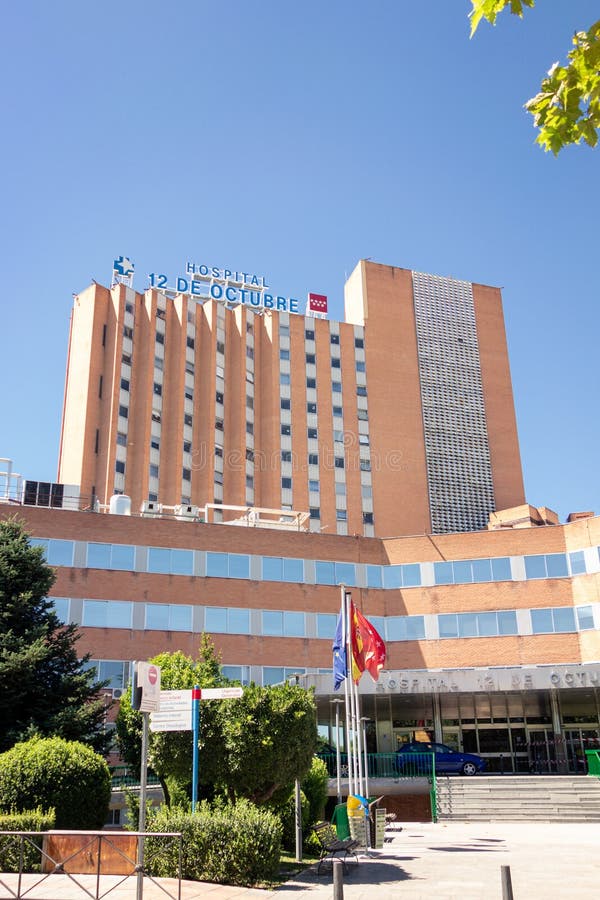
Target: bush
x,y
314,785
32,820
52,773
284,808
238,844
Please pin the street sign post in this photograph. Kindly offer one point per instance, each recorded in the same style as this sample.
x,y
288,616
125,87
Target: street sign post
x,y
175,713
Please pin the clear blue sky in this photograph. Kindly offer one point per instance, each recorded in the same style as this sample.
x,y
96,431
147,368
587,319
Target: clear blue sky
x,y
294,139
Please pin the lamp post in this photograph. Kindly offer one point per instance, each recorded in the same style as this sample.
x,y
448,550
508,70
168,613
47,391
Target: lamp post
x,y
338,764
297,797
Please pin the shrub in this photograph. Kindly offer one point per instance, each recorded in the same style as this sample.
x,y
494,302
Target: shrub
x,y
31,820
314,785
238,844
53,773
285,809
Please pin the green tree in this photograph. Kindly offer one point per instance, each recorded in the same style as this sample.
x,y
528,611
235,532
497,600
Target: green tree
x,y
249,747
44,687
567,108
170,752
267,739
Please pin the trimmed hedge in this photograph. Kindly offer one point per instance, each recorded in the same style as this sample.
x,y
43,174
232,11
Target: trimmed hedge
x,y
236,844
31,820
51,773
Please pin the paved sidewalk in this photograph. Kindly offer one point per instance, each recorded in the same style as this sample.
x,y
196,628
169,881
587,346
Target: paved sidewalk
x,y
450,861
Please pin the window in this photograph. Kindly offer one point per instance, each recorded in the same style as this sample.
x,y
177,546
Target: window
x,y
237,673
368,518
341,515
336,362
249,427
164,561
186,474
283,354
127,332
250,353
284,330
311,407
360,367
274,568
340,488
153,470
365,465
555,620
286,430
359,343
312,433
187,446
157,388
155,416
338,462
362,415
313,487
124,384
107,613
361,391
363,440
120,467
577,560
249,402
309,334
345,573
552,565
338,436
219,424
338,411
324,572
249,454
310,359
168,617
219,397
227,565
336,387
585,617
160,338
286,484
104,335
190,343
335,338
405,628
97,441
284,378
286,403
226,620
326,624
111,556
218,451
123,412
374,577
311,382
187,419
313,459
283,624
315,512
220,347
250,482
286,456
126,358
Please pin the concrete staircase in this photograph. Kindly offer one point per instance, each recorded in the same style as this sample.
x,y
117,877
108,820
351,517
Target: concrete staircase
x,y
518,798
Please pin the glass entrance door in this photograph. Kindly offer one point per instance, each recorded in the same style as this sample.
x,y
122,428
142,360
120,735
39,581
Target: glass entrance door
x,y
542,750
577,741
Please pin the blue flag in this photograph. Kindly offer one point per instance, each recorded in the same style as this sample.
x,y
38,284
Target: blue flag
x,y
340,668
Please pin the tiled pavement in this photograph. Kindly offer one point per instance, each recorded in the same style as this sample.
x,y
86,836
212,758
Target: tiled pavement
x,y
449,861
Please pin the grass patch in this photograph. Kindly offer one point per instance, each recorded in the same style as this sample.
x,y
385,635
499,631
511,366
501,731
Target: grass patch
x,y
288,867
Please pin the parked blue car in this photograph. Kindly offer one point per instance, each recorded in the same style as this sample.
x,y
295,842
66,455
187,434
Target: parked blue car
x,y
415,757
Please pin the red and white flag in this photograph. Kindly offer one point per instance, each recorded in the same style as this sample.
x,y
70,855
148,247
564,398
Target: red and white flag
x,y
317,303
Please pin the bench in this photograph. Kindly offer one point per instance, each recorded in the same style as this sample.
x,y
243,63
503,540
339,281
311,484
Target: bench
x,y
331,845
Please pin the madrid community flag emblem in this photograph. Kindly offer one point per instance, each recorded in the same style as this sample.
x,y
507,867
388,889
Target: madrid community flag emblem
x,y
317,303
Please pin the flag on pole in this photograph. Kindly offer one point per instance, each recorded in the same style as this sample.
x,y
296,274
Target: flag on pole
x,y
340,668
368,648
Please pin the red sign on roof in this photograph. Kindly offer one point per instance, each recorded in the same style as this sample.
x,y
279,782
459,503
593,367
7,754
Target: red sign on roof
x,y
317,303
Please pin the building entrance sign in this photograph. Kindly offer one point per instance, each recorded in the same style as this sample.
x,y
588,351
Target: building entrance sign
x,y
522,678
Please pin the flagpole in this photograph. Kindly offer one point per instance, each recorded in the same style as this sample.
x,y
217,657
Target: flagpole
x,y
358,747
345,633
354,704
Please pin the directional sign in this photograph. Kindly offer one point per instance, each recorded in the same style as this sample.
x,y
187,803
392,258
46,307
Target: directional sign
x,y
220,693
175,712
148,679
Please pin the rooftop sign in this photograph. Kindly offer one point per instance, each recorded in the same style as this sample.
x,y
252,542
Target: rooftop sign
x,y
229,286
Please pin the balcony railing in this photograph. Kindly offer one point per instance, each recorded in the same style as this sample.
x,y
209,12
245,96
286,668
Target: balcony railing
x,y
122,776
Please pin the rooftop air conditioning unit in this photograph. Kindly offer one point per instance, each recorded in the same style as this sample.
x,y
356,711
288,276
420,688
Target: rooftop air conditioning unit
x,y
186,512
151,509
117,693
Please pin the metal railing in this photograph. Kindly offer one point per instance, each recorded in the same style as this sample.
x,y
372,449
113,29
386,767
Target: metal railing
x,y
94,862
398,766
593,762
122,776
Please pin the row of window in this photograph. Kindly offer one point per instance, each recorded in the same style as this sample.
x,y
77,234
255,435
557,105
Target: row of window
x,y
163,560
287,623
117,673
